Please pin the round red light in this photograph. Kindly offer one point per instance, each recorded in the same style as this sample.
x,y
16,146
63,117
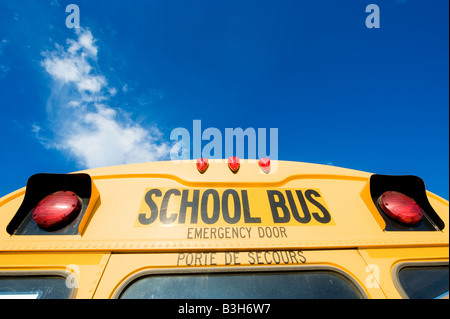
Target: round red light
x,y
57,210
400,207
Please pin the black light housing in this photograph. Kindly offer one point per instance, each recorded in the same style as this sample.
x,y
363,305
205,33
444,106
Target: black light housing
x,y
412,187
39,187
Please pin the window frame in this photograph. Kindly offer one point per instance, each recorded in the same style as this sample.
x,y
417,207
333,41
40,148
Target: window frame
x,y
240,269
406,264
43,273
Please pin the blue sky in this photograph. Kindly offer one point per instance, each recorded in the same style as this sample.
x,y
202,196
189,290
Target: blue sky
x,y
112,91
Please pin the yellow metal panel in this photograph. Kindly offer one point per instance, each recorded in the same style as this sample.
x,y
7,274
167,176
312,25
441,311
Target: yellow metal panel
x,y
123,268
383,261
87,268
113,224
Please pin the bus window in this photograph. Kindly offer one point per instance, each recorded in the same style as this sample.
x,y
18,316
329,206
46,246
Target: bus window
x,y
259,285
33,287
424,282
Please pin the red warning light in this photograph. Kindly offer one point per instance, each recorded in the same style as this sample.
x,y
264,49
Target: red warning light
x,y
400,207
202,165
57,210
264,163
233,163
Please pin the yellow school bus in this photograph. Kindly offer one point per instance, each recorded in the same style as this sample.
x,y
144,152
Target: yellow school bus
x,y
223,229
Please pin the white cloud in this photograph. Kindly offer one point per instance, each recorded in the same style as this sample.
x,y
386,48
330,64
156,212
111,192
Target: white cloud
x,y
92,84
73,66
86,40
86,127
66,69
100,140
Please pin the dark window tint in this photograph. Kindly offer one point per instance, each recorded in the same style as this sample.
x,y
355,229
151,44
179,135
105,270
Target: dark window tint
x,y
263,285
424,282
33,287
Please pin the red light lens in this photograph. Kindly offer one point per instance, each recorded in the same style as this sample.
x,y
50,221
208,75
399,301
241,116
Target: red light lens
x,y
400,207
264,163
57,210
233,163
202,165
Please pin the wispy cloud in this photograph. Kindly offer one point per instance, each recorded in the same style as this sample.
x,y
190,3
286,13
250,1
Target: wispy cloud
x,y
82,121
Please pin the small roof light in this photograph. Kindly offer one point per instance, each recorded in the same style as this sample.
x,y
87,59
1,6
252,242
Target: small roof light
x,y
57,210
202,165
264,163
400,207
233,163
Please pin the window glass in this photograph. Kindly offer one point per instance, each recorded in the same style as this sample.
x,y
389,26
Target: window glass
x,y
33,287
424,282
260,285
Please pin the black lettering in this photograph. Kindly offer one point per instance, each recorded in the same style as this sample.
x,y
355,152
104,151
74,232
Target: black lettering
x,y
216,207
180,258
198,259
165,202
265,257
228,258
189,233
276,232
185,203
189,259
276,257
143,219
258,258
283,232
212,260
247,217
293,257
326,217
261,232
251,259
280,203
237,206
244,232
236,257
302,257
249,230
306,215
283,255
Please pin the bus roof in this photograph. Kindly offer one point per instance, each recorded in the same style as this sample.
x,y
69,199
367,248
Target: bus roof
x,y
171,206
